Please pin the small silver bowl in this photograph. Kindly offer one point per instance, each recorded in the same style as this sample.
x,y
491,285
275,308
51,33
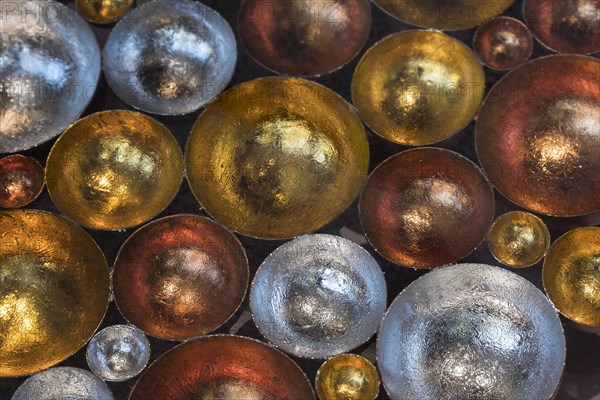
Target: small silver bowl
x,y
318,296
170,57
50,68
471,331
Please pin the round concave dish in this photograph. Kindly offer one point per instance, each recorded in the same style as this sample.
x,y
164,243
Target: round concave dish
x,y
502,43
103,11
347,377
21,180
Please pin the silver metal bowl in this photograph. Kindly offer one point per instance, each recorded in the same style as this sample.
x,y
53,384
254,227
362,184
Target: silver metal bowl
x,y
318,296
50,65
471,331
170,57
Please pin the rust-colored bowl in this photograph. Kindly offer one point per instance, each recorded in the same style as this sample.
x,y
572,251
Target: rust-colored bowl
x,y
103,11
426,207
538,135
223,367
180,276
21,180
503,43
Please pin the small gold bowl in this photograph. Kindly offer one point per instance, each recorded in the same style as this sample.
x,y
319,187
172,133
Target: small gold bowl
x,y
54,290
571,275
347,377
418,87
502,43
103,11
114,170
277,157
21,180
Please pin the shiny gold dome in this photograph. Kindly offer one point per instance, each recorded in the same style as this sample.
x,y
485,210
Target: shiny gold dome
x,y
53,290
103,11
114,169
277,157
347,377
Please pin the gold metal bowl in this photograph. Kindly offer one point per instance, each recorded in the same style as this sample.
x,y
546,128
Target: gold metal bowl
x,y
103,11
114,169
53,293
347,377
503,42
277,157
418,87
21,180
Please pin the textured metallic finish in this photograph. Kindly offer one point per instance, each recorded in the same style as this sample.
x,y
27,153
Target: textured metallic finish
x,y
103,11
180,276
304,37
426,207
471,331
538,135
347,377
63,383
318,296
571,275
50,67
503,43
566,26
418,87
114,169
223,367
21,180
53,290
518,239
118,353
277,157
444,14
170,57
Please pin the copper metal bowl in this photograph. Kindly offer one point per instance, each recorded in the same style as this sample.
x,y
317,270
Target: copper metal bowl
x,y
223,367
103,11
503,43
347,377
54,290
426,207
21,180
538,135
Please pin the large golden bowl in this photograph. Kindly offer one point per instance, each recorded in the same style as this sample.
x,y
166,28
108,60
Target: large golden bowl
x,y
103,11
114,169
277,157
571,275
418,87
53,290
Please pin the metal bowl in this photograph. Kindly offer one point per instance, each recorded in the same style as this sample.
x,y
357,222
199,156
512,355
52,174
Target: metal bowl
x,y
347,377
570,275
426,207
54,290
223,367
462,332
50,68
180,276
21,180
103,11
318,296
538,135
274,151
63,383
170,57
418,87
302,37
503,43
114,169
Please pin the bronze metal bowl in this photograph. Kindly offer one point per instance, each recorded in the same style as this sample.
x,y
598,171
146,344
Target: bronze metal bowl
x,y
223,367
302,37
103,11
180,276
54,290
503,42
21,180
50,68
347,377
418,87
277,157
538,135
571,275
426,207
114,169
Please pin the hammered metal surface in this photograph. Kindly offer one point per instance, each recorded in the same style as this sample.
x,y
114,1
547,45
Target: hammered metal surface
x,y
103,11
114,169
223,367
53,290
318,296
538,135
50,67
471,331
347,377
118,353
21,180
180,276
426,207
571,275
276,150
418,87
170,57
63,383
304,37
503,43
